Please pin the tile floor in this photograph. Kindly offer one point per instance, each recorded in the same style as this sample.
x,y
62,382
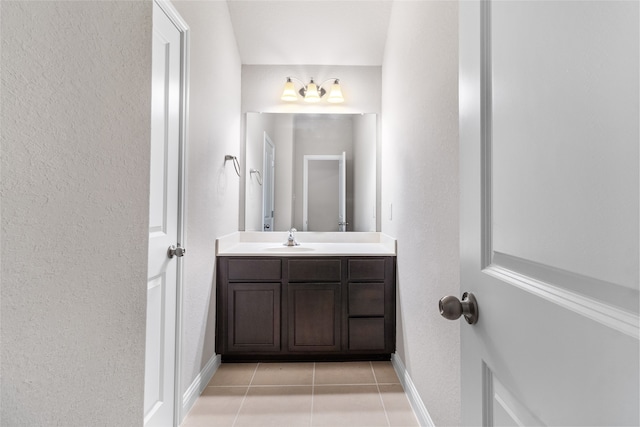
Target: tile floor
x,y
332,394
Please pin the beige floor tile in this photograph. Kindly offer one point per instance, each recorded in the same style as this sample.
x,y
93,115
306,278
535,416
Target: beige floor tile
x,y
283,374
345,394
397,406
344,373
385,374
216,406
352,406
233,374
276,406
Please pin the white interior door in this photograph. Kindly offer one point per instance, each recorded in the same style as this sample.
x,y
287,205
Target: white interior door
x,y
549,214
164,228
268,187
342,192
324,192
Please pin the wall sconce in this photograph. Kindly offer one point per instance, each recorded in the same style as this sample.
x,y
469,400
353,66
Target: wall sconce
x,y
312,92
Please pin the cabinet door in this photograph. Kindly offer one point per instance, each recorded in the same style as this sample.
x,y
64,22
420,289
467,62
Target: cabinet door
x,y
314,316
253,317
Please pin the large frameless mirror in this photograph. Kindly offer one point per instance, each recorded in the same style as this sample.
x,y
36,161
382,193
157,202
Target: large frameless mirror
x,y
312,172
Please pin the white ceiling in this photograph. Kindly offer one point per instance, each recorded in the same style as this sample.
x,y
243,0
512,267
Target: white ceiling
x,y
323,32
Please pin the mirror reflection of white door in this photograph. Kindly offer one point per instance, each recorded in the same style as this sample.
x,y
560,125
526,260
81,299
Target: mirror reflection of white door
x,y
324,193
549,212
165,206
342,193
268,184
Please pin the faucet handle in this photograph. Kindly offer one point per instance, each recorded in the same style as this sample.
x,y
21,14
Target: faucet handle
x,y
293,230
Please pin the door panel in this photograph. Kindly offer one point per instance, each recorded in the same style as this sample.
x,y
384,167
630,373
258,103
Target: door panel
x,y
324,178
502,407
154,369
323,205
563,161
549,211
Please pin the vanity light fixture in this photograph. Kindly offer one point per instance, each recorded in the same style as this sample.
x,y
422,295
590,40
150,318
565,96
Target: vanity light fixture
x,y
312,92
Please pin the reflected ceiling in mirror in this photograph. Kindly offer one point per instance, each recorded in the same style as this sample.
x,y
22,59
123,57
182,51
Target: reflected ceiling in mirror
x,y
322,177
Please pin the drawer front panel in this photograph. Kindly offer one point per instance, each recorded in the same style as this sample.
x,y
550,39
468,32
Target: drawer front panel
x,y
366,269
255,269
366,299
314,270
366,334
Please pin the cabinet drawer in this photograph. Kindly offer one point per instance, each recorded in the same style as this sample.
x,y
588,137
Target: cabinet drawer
x,y
255,269
366,299
366,334
314,270
366,269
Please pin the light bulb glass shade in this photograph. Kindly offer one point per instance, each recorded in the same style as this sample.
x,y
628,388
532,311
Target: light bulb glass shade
x,y
335,96
289,93
311,94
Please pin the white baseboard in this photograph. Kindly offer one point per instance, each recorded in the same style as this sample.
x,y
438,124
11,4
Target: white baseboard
x,y
198,385
412,393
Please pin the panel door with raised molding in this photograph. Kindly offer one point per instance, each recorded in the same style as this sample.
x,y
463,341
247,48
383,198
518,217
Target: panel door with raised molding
x,y
549,211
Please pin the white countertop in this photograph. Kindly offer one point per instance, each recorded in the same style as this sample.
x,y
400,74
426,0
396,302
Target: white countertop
x,y
311,244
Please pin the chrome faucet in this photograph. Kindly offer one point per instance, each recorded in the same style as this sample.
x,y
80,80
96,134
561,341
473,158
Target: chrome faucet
x,y
291,240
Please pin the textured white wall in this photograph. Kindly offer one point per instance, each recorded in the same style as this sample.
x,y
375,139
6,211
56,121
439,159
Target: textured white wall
x,y
212,184
420,180
364,173
76,99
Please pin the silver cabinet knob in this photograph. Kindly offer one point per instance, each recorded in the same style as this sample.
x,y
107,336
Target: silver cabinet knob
x,y
177,251
452,308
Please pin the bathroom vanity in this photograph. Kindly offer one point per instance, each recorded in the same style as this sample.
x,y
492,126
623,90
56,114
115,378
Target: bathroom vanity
x,y
322,300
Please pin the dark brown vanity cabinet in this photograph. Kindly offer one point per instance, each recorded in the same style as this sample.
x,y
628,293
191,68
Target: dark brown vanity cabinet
x,y
304,308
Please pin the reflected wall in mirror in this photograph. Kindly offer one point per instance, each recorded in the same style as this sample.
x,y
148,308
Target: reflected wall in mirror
x,y
334,193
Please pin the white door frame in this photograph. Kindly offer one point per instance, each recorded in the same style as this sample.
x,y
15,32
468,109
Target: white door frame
x,y
305,184
184,30
268,184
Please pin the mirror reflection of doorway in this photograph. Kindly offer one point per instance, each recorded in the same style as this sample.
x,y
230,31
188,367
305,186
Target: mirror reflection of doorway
x,y
324,193
268,184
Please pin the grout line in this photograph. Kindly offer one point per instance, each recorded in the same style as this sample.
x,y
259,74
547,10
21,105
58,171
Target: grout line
x,y
380,395
350,384
259,385
245,395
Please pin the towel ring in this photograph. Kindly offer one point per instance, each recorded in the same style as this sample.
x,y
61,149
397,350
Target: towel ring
x,y
259,177
236,163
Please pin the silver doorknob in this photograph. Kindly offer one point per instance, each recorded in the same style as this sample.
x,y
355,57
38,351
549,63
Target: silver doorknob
x,y
177,251
452,308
